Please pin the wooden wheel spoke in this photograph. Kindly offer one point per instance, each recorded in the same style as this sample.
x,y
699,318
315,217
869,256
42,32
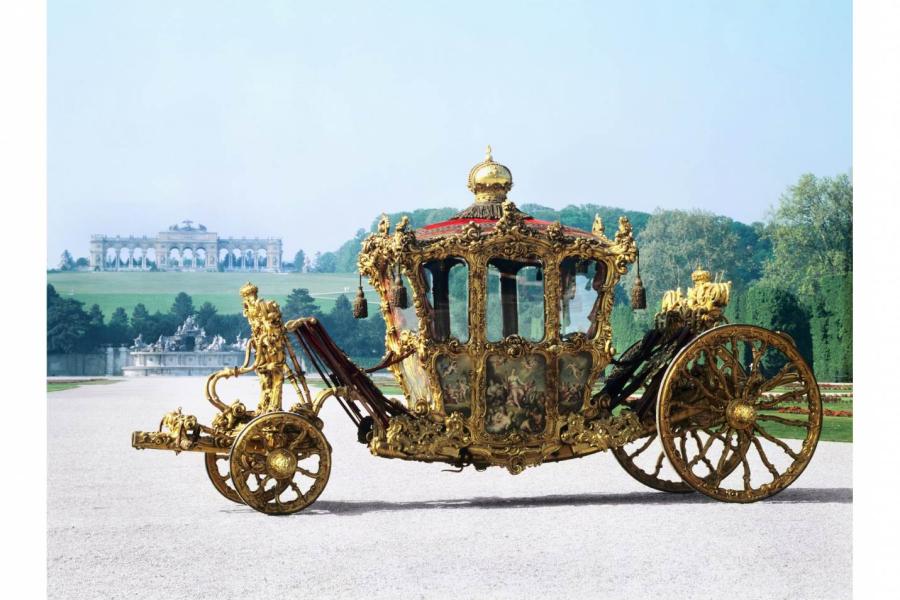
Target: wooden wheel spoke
x,y
764,458
787,449
757,357
646,445
718,474
717,373
702,388
736,368
783,421
307,472
659,464
296,488
785,375
702,450
747,484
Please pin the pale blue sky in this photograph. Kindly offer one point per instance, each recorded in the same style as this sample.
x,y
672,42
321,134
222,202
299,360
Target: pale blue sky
x,y
306,120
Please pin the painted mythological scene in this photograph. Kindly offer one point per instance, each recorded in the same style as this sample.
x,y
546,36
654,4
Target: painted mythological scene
x,y
515,394
574,374
455,373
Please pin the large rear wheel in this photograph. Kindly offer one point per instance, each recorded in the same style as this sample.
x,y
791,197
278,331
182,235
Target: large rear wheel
x,y
739,413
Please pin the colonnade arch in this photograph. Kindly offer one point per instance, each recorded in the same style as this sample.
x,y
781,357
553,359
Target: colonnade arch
x,y
185,248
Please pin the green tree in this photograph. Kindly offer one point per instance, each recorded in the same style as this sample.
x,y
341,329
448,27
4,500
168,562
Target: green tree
x,y
342,326
183,307
299,261
300,304
66,262
97,328
141,321
206,312
82,263
326,263
67,324
118,332
811,232
675,242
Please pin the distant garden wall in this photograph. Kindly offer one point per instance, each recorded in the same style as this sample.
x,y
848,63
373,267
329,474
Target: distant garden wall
x,y
108,361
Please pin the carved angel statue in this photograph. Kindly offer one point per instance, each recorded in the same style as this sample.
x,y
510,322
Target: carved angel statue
x,y
625,230
384,225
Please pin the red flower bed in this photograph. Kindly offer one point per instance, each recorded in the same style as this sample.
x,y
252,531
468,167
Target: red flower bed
x,y
799,410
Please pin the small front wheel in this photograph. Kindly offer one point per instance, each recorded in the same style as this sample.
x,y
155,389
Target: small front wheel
x,y
280,463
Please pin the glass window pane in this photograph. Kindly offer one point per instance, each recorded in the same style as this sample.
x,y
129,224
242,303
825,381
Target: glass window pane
x,y
515,299
447,296
580,283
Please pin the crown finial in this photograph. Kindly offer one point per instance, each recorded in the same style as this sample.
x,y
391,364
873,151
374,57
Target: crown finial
x,y
489,181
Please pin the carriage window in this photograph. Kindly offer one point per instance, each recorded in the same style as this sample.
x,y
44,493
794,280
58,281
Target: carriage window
x,y
447,295
581,282
515,299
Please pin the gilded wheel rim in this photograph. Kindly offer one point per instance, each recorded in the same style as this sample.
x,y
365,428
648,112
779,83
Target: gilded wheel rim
x,y
280,463
739,413
218,470
645,460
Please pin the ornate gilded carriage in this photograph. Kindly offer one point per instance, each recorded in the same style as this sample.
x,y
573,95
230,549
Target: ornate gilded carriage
x,y
498,332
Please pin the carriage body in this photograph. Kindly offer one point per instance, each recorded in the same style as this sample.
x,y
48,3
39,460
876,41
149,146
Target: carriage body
x,y
498,332
504,329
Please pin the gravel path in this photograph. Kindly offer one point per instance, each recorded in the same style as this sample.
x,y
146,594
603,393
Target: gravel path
x,y
130,524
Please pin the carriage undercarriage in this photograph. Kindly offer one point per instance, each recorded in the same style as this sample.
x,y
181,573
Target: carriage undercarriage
x,y
699,423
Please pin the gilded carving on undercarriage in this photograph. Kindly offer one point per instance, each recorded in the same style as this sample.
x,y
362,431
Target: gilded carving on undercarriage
x,y
497,330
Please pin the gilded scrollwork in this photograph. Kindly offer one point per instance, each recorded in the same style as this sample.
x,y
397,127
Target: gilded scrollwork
x,y
702,308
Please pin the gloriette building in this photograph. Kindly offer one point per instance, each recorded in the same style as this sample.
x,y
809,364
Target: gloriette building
x,y
185,247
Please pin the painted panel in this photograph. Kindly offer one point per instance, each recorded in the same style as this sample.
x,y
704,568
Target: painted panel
x,y
574,374
457,380
515,394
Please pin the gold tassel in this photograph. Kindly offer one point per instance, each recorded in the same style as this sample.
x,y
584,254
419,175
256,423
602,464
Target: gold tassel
x,y
360,305
398,293
638,293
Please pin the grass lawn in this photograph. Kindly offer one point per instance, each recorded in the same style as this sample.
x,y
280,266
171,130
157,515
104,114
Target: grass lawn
x,y
834,429
58,386
157,291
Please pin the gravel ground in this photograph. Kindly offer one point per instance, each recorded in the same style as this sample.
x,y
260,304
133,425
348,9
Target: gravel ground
x,y
148,524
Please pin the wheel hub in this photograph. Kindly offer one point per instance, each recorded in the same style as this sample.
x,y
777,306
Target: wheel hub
x,y
741,415
281,463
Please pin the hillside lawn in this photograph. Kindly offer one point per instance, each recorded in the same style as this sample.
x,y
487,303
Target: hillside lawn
x,y
157,291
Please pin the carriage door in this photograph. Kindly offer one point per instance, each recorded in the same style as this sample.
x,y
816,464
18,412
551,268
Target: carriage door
x,y
515,387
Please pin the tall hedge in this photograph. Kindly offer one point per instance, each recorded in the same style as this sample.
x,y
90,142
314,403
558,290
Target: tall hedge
x,y
779,310
831,326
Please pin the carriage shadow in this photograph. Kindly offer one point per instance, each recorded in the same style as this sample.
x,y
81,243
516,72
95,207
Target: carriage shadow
x,y
789,496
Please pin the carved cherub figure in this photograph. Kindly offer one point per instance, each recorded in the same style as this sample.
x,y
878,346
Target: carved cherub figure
x,y
598,229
